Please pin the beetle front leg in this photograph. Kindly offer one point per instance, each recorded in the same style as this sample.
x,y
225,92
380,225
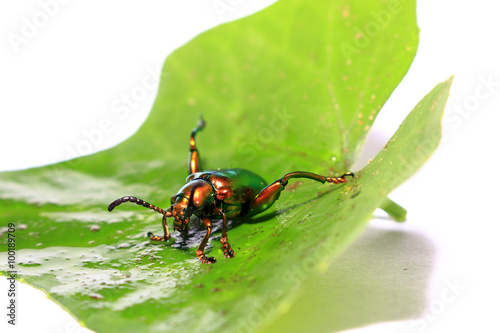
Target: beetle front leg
x,y
204,259
165,212
194,164
166,233
228,251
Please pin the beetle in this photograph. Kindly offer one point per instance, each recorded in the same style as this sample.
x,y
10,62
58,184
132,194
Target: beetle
x,y
215,194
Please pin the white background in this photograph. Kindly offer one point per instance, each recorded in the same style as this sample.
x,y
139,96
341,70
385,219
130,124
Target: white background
x,y
88,55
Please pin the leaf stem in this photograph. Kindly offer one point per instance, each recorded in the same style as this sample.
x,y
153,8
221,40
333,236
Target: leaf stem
x,y
394,210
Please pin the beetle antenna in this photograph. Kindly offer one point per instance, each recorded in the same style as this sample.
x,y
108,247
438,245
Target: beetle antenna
x,y
138,201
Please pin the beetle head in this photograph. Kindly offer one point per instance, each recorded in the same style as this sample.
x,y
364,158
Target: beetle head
x,y
191,199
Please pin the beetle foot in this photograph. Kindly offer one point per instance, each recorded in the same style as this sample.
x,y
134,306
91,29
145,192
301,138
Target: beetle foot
x,y
228,251
341,179
157,238
204,259
207,260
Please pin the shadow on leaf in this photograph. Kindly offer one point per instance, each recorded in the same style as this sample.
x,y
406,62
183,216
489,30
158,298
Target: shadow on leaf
x,y
383,276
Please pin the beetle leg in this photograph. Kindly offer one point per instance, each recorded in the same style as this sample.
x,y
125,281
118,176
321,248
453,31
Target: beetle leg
x,y
166,233
204,259
194,164
228,251
265,198
165,212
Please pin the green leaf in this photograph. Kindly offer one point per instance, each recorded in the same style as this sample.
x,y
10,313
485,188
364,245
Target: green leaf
x,y
296,86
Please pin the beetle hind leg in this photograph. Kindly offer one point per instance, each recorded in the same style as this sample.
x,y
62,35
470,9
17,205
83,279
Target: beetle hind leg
x,y
266,198
194,164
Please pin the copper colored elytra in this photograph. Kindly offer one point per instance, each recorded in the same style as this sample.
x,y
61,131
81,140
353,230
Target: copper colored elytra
x,y
218,194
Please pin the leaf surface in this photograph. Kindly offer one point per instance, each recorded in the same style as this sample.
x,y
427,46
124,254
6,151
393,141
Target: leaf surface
x,y
293,87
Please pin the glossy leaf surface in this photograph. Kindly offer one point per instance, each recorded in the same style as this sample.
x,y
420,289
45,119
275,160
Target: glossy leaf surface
x,y
294,87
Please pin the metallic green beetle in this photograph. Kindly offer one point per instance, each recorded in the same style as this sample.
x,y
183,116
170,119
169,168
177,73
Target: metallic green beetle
x,y
222,194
